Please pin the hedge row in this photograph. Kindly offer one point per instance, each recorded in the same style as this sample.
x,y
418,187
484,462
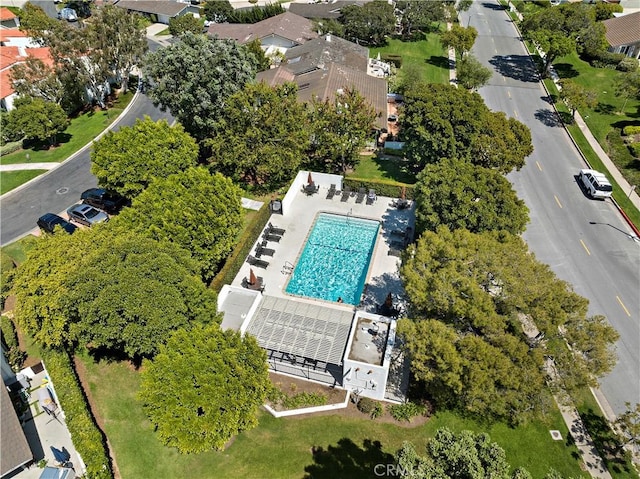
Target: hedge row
x,y
85,434
9,335
243,247
391,189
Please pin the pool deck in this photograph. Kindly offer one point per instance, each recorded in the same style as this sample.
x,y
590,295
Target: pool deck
x,y
383,275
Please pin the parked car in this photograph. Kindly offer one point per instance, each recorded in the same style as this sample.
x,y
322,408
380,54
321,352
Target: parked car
x,y
86,215
104,200
49,221
68,14
595,183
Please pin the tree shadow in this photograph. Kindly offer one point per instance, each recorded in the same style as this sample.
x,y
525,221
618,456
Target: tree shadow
x,y
395,168
565,70
493,6
348,460
548,117
518,67
438,61
37,145
551,99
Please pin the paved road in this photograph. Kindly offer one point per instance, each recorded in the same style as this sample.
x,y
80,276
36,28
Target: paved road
x,y
585,242
61,187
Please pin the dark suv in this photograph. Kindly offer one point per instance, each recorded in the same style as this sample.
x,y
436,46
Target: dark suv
x,y
104,200
49,221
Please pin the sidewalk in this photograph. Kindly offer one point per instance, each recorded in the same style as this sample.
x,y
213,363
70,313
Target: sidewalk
x,y
29,166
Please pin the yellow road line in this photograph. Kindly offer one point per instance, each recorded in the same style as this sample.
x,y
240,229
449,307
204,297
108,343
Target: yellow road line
x,y
515,113
539,167
558,201
623,306
509,94
585,247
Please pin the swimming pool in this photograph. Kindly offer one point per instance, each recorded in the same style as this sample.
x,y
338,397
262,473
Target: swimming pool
x,y
335,259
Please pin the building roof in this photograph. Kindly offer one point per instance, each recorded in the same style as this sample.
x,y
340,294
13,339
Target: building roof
x,y
13,443
10,56
159,7
276,76
624,30
286,25
6,14
302,329
322,10
325,84
324,50
7,33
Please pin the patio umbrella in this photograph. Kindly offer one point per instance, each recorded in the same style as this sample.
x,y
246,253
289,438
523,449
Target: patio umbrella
x,y
389,301
309,179
252,277
403,193
58,455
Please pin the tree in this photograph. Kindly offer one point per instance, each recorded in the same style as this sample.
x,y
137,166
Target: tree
x,y
199,211
459,38
554,44
462,455
627,85
123,293
120,37
458,194
36,79
471,73
628,424
261,136
263,61
195,77
442,121
204,387
36,119
127,160
328,25
36,23
218,11
339,130
576,96
185,23
604,10
370,23
419,14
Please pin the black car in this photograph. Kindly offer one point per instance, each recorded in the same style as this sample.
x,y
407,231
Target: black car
x,y
49,221
103,200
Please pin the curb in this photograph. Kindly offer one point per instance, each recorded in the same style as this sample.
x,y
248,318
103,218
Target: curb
x,y
81,150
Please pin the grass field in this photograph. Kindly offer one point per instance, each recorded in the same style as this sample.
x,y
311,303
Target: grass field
x,y
282,448
12,179
17,250
428,55
373,167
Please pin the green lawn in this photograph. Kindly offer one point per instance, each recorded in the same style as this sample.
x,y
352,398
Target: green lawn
x,y
428,55
383,167
281,448
12,179
80,131
18,249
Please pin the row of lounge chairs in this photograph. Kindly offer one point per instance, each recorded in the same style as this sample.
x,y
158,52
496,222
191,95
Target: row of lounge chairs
x,y
360,195
271,233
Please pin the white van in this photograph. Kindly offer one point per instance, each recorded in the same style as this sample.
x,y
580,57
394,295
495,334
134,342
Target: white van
x,y
595,183
68,14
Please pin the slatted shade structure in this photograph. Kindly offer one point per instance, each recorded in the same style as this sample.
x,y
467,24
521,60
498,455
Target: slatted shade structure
x,y
302,330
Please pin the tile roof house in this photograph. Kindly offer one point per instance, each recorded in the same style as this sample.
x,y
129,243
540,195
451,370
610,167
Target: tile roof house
x,y
329,10
282,31
13,443
623,34
159,11
13,37
8,19
11,56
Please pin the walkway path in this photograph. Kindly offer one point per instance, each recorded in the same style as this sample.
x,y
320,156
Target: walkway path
x,y
29,166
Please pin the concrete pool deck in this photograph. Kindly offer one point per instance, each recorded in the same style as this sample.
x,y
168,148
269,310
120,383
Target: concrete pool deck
x,y
383,275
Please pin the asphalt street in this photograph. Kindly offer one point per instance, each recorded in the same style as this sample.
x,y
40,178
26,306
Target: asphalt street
x,y
586,242
59,188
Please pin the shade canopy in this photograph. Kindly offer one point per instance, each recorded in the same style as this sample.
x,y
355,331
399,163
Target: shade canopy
x,y
252,277
309,179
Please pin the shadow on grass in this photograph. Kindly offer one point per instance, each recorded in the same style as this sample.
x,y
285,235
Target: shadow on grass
x,y
395,168
605,108
36,145
606,442
439,61
565,70
347,460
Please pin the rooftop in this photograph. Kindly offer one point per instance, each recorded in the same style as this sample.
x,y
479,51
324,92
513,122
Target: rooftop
x,y
370,341
623,30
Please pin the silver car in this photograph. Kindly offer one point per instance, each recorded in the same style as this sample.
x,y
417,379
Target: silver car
x,y
86,215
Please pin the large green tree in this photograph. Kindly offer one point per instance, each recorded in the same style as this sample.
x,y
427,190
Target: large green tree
x,y
472,74
459,38
34,78
199,211
218,11
458,194
204,387
442,121
124,293
484,289
36,119
127,160
185,23
576,96
369,24
417,14
195,77
340,129
261,137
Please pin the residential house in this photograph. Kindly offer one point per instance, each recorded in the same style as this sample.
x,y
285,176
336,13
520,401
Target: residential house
x,y
326,9
8,19
623,34
158,11
323,50
11,56
13,37
277,33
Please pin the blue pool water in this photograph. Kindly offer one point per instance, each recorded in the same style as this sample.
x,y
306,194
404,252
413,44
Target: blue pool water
x,y
335,259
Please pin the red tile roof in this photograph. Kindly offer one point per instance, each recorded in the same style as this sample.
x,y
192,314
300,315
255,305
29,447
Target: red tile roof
x,y
6,33
6,14
10,56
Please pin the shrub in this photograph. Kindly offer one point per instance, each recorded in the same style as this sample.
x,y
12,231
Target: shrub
x,y
87,438
607,60
304,400
627,64
396,60
631,130
377,411
391,189
15,356
10,147
635,149
7,270
366,405
406,411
